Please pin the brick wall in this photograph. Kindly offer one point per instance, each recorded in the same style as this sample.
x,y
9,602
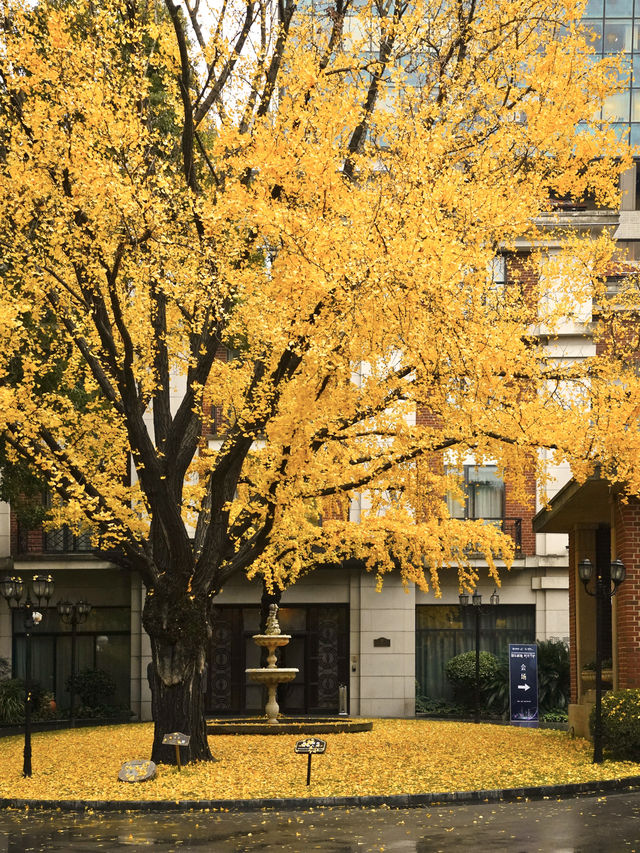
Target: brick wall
x,y
627,533
335,508
214,420
25,541
522,272
573,646
522,506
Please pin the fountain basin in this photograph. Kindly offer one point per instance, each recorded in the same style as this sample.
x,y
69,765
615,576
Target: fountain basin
x,y
286,726
272,676
274,640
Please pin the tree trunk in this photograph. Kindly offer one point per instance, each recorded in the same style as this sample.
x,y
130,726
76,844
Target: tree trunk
x,y
179,631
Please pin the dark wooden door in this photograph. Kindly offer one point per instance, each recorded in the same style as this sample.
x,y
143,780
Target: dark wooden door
x,y
319,649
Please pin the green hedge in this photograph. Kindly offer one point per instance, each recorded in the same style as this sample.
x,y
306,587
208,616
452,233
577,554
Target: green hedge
x,y
461,673
95,687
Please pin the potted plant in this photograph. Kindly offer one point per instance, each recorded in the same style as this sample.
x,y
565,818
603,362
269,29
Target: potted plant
x,y
588,673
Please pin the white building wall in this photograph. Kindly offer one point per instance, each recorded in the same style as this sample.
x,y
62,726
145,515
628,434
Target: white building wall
x,y
140,653
386,674
5,550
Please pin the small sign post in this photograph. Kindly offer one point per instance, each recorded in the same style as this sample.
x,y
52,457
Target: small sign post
x,y
523,684
177,739
310,746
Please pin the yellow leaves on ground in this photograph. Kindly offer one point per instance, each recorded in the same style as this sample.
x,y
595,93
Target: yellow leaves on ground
x,y
397,757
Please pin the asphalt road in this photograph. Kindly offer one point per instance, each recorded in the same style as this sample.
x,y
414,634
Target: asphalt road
x,y
606,824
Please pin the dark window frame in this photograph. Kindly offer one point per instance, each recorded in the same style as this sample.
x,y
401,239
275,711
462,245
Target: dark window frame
x,y
471,489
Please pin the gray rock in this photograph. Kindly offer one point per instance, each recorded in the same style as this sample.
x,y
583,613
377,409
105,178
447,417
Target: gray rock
x,y
138,770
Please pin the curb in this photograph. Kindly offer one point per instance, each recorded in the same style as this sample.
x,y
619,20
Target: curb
x,y
63,724
289,728
392,801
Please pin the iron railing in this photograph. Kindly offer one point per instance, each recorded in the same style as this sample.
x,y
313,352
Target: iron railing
x,y
511,526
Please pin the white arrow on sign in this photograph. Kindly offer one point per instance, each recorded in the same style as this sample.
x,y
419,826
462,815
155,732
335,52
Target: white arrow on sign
x,y
524,687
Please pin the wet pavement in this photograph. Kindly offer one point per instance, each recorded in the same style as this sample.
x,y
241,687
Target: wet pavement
x,y
598,824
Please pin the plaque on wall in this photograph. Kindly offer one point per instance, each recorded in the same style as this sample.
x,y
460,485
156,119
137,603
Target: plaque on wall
x,y
381,643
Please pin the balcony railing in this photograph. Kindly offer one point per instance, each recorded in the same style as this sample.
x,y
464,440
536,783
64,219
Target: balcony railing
x,y
59,541
511,526
64,541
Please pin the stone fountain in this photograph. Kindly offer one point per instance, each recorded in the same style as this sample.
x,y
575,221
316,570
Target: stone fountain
x,y
272,675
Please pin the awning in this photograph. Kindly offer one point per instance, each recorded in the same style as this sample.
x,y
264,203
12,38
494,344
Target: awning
x,y
576,503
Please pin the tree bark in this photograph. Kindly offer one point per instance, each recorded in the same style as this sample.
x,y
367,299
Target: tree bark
x,y
179,630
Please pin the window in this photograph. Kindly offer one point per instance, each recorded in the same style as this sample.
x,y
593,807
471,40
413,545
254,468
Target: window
x,y
498,271
484,494
63,540
496,282
102,642
446,630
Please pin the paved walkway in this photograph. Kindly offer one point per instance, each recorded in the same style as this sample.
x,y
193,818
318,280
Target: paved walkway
x,y
594,824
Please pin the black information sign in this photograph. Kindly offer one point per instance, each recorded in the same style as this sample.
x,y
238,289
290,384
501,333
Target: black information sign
x,y
523,683
310,746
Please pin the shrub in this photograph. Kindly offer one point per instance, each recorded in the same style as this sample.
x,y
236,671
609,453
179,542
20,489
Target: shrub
x,y
461,672
46,708
95,687
497,688
555,715
438,707
553,675
620,724
12,701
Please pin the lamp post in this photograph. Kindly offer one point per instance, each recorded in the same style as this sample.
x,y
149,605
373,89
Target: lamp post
x,y
12,589
602,591
74,615
476,601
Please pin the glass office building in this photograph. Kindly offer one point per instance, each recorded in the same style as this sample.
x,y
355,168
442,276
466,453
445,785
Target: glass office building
x,y
616,28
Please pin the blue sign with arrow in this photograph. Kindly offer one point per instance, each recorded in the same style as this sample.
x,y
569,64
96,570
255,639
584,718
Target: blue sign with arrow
x,y
523,683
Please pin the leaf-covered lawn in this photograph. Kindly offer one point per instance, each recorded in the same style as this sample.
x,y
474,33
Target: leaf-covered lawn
x,y
398,756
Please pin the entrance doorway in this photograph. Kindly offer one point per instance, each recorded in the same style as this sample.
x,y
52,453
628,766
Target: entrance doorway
x,y
319,649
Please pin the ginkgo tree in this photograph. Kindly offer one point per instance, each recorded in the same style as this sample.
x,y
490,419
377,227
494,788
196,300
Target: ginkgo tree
x,y
316,192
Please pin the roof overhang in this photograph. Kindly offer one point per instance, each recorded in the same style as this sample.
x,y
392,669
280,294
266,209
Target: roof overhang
x,y
576,504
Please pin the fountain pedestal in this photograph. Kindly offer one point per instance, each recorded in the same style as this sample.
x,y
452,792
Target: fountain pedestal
x,y
272,675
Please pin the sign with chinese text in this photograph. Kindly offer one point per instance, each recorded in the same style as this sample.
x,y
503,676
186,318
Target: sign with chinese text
x,y
310,746
523,684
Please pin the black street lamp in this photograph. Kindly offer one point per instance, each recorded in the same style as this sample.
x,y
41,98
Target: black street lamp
x,y
601,592
74,615
476,601
12,589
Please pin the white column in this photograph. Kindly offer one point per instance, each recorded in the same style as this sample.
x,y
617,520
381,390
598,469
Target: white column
x,y
387,648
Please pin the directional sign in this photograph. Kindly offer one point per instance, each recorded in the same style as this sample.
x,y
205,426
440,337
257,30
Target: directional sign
x,y
523,683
